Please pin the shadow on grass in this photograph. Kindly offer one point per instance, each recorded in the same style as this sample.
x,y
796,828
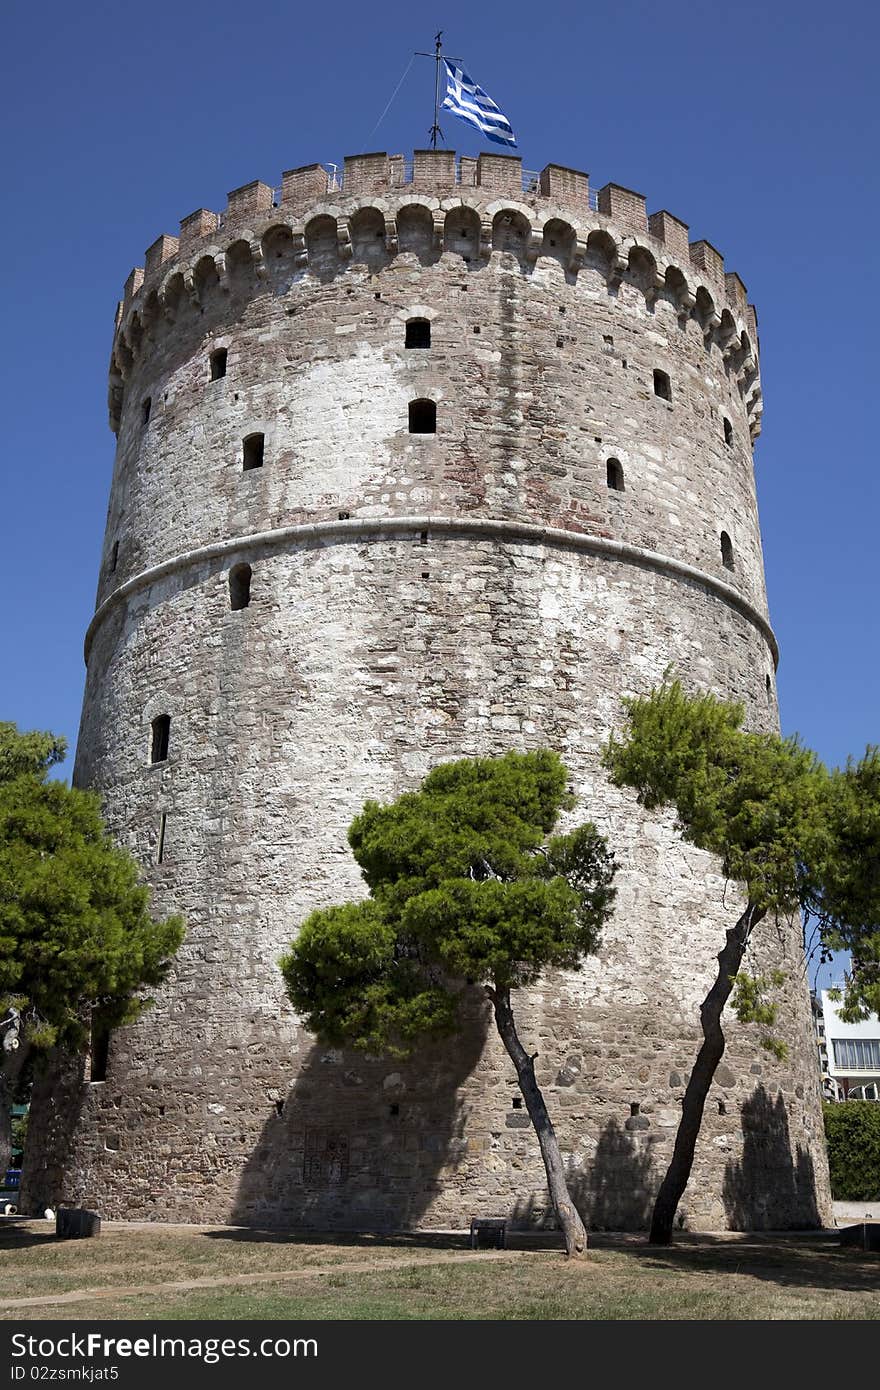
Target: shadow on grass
x,y
354,1240
15,1235
791,1261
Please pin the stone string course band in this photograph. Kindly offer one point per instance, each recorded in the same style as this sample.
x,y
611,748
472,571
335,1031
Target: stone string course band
x,y
366,529
430,461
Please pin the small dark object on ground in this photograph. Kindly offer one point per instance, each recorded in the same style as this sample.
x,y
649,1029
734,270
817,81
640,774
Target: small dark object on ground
x,y
74,1222
488,1232
866,1235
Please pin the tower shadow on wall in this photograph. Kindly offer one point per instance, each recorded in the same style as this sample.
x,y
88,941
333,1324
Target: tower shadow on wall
x,y
614,1193
770,1188
365,1143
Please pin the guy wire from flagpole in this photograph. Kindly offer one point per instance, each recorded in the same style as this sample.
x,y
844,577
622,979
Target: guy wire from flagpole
x,y
390,100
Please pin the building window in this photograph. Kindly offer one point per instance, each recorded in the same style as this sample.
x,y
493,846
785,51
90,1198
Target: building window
x,y
614,475
726,551
418,333
239,587
253,449
856,1054
99,1050
662,386
728,431
160,733
218,363
146,407
114,557
423,417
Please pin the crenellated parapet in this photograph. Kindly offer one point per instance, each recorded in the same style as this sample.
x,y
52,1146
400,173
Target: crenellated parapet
x,y
318,223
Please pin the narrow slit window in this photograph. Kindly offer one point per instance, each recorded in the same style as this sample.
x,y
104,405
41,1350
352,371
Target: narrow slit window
x,y
160,733
423,417
418,333
218,363
146,407
99,1050
239,587
253,451
160,848
726,551
728,431
614,475
114,557
662,385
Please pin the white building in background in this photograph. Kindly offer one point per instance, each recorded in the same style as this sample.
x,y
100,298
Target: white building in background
x,y
849,1053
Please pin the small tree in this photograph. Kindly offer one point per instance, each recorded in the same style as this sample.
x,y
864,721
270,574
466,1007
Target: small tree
x,y
77,942
464,885
784,829
844,904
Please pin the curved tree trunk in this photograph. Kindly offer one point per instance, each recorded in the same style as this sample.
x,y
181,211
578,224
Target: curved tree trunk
x,y
566,1211
700,1079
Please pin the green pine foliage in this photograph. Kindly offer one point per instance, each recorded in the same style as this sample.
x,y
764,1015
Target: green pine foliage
x,y
76,933
465,885
793,834
852,1132
752,1004
846,902
756,800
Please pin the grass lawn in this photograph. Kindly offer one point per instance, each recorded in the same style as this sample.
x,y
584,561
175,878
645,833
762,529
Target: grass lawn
x,y
231,1273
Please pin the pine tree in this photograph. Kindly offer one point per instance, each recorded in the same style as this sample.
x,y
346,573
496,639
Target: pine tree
x,y
466,883
78,944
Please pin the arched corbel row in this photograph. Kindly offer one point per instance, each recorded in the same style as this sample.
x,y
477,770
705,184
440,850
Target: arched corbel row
x,y
595,243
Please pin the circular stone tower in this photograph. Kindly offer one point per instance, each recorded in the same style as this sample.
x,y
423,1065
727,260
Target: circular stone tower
x,y
436,459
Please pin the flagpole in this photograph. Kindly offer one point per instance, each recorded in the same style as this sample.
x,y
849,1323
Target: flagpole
x,y
435,128
437,55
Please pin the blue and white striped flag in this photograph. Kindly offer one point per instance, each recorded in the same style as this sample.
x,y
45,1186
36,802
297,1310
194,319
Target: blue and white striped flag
x,y
468,101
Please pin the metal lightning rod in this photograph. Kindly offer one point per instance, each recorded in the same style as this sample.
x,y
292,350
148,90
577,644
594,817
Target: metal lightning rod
x,y
437,55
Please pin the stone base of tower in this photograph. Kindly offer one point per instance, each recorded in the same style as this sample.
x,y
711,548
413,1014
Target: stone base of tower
x,y
355,1144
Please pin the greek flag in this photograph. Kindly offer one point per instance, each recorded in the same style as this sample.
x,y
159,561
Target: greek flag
x,y
468,101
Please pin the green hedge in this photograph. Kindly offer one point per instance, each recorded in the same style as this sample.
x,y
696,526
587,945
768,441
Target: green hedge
x,y
852,1130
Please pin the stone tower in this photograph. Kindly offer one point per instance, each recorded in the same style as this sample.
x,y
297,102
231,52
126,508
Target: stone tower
x,y
435,459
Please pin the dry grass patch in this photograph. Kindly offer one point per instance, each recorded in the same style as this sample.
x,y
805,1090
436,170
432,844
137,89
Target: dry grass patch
x,y
701,1277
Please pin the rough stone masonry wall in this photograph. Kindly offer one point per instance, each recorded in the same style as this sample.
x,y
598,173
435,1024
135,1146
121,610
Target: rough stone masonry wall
x,y
415,598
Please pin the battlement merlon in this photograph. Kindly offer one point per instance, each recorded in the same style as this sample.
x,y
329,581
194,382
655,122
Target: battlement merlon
x,y
438,175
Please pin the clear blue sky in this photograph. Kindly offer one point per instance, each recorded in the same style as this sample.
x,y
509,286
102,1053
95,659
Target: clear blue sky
x,y
756,123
